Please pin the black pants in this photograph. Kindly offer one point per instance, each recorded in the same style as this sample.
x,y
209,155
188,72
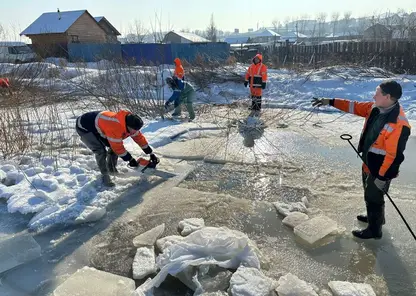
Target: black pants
x,y
374,200
106,161
372,194
255,103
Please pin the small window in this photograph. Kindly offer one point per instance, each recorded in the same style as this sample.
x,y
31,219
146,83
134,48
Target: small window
x,y
12,50
74,39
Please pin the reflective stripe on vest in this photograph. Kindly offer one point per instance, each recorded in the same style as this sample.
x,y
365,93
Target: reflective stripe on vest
x,y
377,151
351,107
388,128
101,116
403,118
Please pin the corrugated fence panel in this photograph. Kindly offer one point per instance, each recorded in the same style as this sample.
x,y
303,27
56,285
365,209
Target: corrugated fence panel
x,y
147,53
93,52
218,51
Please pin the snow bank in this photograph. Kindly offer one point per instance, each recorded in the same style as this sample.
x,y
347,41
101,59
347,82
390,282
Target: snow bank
x,y
67,188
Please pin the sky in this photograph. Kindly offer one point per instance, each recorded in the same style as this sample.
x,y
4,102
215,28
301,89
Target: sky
x,y
16,15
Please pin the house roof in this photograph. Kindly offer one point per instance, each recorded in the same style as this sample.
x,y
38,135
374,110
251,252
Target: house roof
x,y
53,22
243,37
101,18
236,40
292,34
259,33
190,36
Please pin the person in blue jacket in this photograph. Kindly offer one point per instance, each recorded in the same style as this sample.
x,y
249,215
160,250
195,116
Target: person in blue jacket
x,y
183,93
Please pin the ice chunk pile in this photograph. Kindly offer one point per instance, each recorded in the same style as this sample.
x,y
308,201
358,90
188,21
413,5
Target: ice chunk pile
x,y
90,281
290,284
248,281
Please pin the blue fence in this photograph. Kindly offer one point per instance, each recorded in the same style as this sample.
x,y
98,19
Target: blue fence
x,y
219,51
93,52
149,54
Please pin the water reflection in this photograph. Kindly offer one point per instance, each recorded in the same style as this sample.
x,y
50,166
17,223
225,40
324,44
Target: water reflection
x,y
251,129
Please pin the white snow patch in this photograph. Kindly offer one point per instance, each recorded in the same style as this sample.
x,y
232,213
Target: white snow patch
x,y
90,214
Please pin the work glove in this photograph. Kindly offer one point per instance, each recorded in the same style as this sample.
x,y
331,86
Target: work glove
x,y
318,102
133,163
380,184
245,83
263,85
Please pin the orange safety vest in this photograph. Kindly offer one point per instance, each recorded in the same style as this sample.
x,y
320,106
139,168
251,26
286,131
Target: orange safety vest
x,y
112,126
256,75
179,71
4,82
386,153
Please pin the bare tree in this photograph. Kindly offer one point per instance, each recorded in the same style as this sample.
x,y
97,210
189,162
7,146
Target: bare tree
x,y
411,23
375,21
275,24
404,24
303,22
157,30
346,22
137,33
2,33
211,32
321,18
334,19
362,24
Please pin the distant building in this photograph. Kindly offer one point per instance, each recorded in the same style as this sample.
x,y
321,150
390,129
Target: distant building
x,y
260,36
181,37
53,31
109,29
377,32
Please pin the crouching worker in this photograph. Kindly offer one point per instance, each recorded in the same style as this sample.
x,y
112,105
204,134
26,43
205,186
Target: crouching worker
x,y
183,93
106,129
5,83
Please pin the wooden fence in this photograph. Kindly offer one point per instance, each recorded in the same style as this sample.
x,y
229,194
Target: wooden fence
x,y
396,56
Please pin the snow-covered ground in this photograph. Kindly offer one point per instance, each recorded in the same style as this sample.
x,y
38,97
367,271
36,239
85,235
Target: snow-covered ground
x,y
60,186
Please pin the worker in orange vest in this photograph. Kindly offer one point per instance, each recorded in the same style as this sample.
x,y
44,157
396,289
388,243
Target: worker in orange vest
x,y
382,143
99,130
256,77
179,71
5,83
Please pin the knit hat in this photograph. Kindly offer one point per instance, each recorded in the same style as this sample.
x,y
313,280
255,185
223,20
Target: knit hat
x,y
134,122
391,88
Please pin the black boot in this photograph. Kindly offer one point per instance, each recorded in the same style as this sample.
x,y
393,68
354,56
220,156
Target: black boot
x,y
375,216
363,218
